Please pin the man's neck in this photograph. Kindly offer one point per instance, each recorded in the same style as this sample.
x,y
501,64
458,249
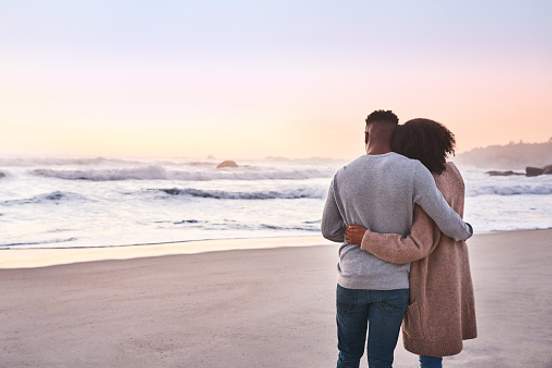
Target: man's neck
x,y
378,150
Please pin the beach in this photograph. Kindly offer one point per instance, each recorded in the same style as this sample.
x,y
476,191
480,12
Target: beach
x,y
173,306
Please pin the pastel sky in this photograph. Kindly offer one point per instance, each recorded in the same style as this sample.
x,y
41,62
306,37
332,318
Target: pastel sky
x,y
254,78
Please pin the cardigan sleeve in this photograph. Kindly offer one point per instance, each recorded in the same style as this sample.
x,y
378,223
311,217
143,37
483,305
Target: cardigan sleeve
x,y
394,248
432,200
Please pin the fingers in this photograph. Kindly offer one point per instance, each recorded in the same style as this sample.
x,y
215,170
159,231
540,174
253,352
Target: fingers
x,y
353,239
354,234
348,237
353,227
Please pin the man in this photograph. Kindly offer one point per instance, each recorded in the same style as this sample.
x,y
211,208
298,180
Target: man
x,y
379,191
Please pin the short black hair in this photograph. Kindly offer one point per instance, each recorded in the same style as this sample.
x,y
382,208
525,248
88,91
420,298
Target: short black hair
x,y
425,140
382,116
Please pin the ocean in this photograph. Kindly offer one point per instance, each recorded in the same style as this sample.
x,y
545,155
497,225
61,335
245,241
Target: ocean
x,y
65,203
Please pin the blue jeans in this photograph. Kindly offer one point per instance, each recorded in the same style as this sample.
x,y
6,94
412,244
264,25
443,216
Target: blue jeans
x,y
384,310
430,362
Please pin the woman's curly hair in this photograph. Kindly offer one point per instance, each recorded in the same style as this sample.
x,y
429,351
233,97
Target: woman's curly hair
x,y
424,140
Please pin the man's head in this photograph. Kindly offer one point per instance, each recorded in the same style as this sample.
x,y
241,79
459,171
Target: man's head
x,y
378,132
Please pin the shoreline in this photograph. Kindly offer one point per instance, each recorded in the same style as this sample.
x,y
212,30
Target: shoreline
x,y
45,257
168,242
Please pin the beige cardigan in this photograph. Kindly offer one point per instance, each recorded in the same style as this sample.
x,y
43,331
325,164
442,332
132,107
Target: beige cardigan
x,y
441,313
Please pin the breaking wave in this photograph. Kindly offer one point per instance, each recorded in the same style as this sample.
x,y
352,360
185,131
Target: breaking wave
x,y
156,172
298,193
511,190
139,173
53,197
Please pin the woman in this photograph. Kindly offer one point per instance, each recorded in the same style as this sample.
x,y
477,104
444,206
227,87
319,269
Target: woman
x,y
441,312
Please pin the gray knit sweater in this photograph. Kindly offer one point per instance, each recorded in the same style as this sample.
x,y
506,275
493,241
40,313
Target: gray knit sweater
x,y
379,192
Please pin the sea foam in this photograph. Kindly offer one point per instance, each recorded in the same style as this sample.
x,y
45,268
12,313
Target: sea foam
x,y
52,197
297,193
157,172
511,190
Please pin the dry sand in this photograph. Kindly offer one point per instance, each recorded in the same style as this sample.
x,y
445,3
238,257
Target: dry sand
x,y
248,308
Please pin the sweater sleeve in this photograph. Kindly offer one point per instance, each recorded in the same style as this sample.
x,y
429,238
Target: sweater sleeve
x,y
333,226
428,196
394,248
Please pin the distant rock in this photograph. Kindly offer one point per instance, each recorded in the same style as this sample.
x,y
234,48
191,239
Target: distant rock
x,y
533,171
529,171
2,175
504,173
226,164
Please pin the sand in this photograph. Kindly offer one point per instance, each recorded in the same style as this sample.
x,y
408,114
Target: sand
x,y
248,308
37,257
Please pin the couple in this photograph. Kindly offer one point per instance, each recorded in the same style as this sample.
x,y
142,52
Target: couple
x,y
397,210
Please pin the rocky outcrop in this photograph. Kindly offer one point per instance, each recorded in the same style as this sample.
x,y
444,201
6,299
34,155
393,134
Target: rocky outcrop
x,y
529,171
533,171
504,173
536,171
2,175
226,164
